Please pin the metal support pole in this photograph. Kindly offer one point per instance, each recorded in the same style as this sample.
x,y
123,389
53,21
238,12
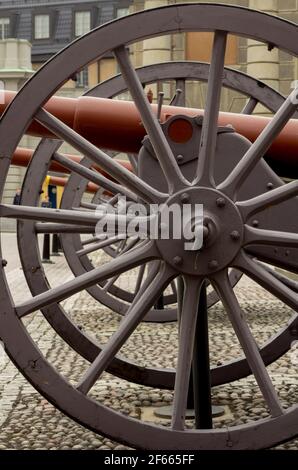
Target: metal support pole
x,y
180,294
46,249
55,245
199,392
59,244
160,303
199,404
201,367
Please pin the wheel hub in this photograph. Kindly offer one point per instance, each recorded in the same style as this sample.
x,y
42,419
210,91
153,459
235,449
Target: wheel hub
x,y
221,231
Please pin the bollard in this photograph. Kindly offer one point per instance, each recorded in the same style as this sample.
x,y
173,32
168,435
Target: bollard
x,y
55,245
46,249
60,250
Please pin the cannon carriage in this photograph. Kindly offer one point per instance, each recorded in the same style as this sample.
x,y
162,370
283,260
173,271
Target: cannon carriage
x,y
249,219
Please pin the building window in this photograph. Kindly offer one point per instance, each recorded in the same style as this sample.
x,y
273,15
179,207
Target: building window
x,y
82,22
122,12
82,79
4,28
41,27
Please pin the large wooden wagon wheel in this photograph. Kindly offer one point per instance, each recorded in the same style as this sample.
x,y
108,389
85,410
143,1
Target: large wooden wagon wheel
x,y
78,250
72,243
231,230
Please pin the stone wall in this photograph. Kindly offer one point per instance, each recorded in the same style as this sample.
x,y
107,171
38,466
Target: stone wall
x,y
15,69
274,67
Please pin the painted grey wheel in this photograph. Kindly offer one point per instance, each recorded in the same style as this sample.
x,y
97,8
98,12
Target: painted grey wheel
x,y
281,425
73,243
77,254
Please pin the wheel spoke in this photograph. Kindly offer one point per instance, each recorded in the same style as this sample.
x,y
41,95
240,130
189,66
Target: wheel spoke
x,y
104,161
89,205
71,217
158,280
258,149
120,246
269,199
99,245
257,236
250,106
93,176
174,288
110,283
225,291
132,243
41,227
65,216
281,277
187,328
158,140
133,161
81,209
205,173
260,275
140,278
125,262
113,200
94,239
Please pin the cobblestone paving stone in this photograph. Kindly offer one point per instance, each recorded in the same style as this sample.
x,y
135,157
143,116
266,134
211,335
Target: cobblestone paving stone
x,y
28,421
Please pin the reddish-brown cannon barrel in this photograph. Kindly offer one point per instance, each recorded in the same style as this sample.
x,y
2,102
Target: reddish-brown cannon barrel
x,y
60,181
22,157
116,125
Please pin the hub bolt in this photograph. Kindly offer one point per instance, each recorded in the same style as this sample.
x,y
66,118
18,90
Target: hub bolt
x,y
255,223
213,264
4,263
180,158
235,235
270,186
184,198
220,202
177,260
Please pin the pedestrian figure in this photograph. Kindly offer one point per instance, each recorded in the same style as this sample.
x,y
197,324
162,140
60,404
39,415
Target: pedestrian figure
x,y
17,197
46,238
46,202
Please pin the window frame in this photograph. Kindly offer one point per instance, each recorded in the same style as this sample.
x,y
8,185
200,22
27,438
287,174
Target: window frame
x,y
118,8
42,12
77,12
6,17
84,82
94,15
121,4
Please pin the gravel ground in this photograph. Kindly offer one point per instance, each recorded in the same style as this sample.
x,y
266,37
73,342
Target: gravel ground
x,y
28,421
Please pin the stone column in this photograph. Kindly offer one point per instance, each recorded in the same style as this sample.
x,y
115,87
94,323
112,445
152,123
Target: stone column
x,y
15,69
157,49
263,63
288,68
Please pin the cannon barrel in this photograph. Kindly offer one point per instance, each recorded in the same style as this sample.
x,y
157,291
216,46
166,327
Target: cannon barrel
x,y
116,125
60,181
22,157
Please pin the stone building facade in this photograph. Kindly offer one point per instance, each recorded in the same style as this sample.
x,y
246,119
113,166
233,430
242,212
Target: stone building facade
x,y
49,25
276,68
32,31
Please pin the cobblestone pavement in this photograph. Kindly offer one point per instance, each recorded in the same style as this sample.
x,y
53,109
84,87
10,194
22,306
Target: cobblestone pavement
x,y
28,421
